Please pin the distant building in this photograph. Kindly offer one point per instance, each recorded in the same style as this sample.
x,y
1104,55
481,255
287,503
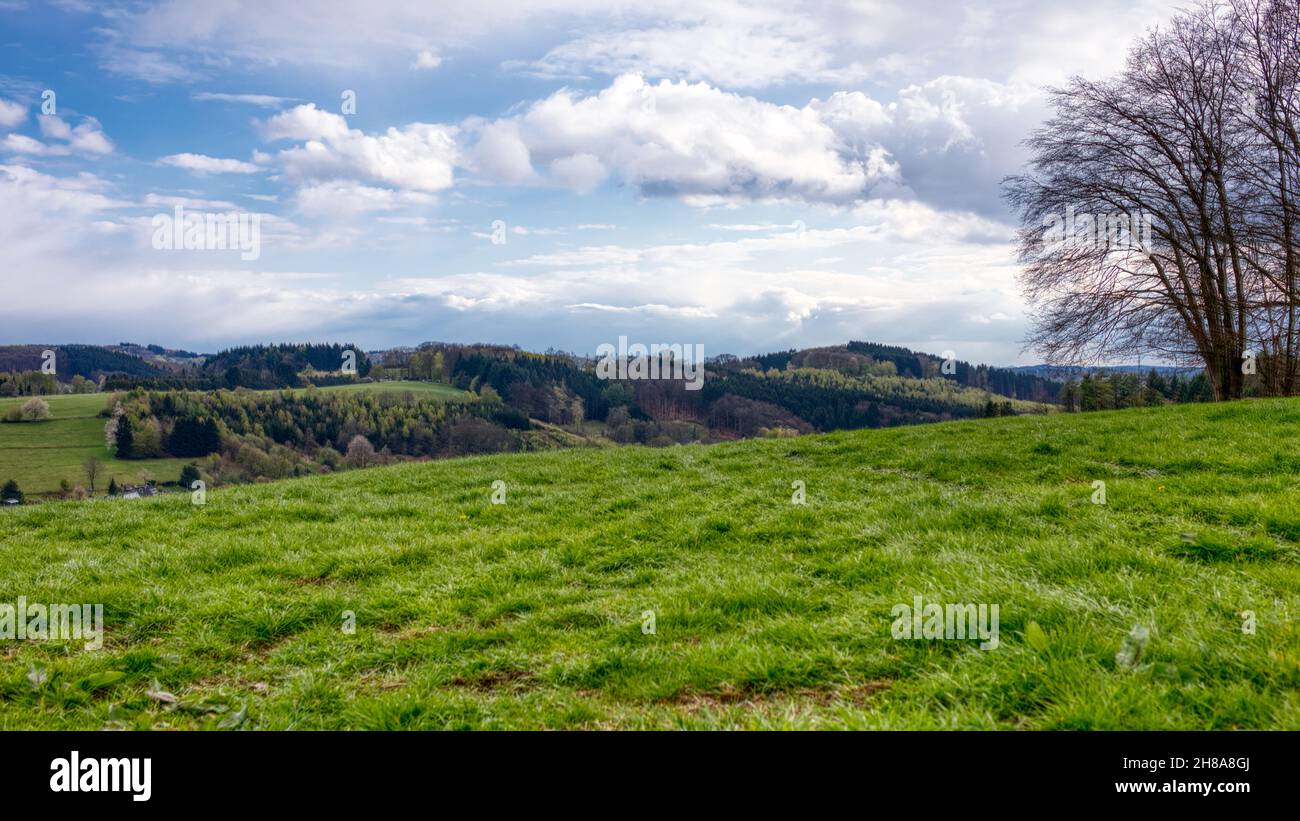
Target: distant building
x,y
138,491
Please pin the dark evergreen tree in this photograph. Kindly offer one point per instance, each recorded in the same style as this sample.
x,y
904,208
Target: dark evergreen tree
x,y
11,491
125,438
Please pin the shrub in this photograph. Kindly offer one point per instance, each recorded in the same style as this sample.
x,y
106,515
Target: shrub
x,y
36,410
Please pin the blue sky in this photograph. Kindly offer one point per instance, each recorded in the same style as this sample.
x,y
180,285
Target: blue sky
x,y
750,176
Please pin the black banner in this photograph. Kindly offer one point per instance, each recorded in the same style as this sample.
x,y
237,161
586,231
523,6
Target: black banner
x,y
142,772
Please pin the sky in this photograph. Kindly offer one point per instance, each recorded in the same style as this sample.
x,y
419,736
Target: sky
x,y
751,176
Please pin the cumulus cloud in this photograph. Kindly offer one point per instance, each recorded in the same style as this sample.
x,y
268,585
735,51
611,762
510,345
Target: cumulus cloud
x,y
203,164
22,144
54,127
305,122
581,172
11,113
691,139
950,140
85,138
420,156
90,138
500,153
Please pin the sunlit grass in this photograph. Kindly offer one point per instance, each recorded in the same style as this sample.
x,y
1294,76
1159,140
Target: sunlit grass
x,y
767,613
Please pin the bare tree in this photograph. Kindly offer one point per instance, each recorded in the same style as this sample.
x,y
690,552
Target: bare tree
x,y
91,468
1268,47
1180,172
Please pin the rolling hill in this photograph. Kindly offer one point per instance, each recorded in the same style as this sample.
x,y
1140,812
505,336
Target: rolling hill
x,y
684,587
39,455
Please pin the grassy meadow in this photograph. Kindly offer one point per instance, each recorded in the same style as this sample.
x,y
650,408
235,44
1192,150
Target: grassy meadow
x,y
39,454
421,390
766,613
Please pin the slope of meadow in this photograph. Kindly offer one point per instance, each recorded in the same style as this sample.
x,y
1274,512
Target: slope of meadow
x,y
767,613
39,454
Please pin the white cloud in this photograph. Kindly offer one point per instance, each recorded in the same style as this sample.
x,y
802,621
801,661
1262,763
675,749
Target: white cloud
x,y
54,127
22,144
89,138
500,153
86,138
581,172
151,66
426,59
342,200
262,100
305,122
46,223
203,164
694,140
12,114
418,156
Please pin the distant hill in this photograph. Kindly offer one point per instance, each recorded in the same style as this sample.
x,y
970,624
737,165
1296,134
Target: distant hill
x,y
1062,373
871,358
166,359
87,361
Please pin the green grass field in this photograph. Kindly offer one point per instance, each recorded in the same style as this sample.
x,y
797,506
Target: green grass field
x,y
422,390
768,614
39,455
